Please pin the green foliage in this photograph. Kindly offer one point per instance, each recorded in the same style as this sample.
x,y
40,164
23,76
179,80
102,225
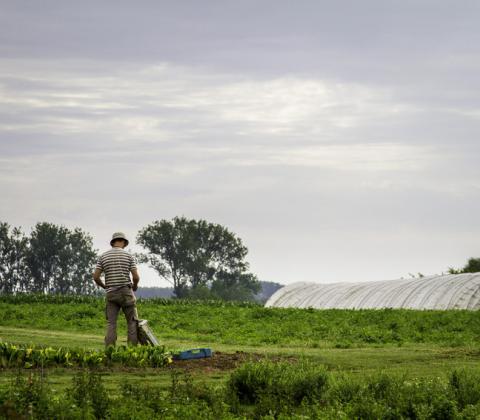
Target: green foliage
x,y
281,391
465,387
31,356
275,385
472,266
32,397
90,394
13,268
88,398
235,286
251,324
60,260
53,259
264,390
191,254
55,299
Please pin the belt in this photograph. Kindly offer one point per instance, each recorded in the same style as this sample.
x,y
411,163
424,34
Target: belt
x,y
115,288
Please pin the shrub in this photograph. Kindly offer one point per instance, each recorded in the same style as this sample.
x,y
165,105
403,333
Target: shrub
x,y
276,385
89,392
465,386
32,397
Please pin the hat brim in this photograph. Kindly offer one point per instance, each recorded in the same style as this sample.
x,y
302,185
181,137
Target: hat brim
x,y
119,239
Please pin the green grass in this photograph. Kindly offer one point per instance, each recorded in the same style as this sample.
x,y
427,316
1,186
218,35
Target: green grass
x,y
255,326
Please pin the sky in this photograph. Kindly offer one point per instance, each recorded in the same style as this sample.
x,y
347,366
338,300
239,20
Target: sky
x,y
338,139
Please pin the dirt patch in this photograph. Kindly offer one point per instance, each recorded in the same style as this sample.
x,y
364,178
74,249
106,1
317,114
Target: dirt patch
x,y
218,361
223,361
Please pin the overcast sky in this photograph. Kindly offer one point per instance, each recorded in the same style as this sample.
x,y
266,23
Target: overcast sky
x,y
339,139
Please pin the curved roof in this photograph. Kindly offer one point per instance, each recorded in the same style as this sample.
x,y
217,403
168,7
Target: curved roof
x,y
457,291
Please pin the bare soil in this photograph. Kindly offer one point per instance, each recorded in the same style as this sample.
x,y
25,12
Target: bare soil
x,y
222,361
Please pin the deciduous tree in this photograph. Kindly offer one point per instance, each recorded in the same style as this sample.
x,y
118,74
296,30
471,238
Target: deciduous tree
x,y
14,275
60,260
192,254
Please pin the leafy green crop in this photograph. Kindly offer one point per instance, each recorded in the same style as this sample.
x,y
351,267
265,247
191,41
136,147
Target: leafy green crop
x,y
25,356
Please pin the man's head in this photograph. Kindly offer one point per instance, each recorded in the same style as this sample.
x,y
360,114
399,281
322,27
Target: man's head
x,y
119,240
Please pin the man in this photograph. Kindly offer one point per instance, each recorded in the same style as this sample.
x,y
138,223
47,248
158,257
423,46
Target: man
x,y
117,264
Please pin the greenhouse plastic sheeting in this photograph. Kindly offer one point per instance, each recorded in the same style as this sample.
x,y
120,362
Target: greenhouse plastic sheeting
x,y
457,291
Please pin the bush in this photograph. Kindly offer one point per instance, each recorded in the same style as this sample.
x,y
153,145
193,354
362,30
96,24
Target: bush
x,y
465,387
89,392
32,397
275,387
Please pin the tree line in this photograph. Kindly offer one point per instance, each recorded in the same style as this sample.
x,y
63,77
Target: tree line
x,y
199,259
52,259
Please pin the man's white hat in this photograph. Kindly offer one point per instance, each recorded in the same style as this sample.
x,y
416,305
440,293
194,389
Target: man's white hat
x,y
118,235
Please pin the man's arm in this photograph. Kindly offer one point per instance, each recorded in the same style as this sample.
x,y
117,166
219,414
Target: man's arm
x,y
96,278
135,278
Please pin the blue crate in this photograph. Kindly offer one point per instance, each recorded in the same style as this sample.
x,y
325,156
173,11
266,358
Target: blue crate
x,y
193,354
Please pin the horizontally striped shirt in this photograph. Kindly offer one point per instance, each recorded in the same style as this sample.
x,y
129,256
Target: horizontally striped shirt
x,y
117,264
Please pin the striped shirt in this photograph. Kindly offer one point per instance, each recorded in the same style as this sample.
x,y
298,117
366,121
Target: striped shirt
x,y
117,264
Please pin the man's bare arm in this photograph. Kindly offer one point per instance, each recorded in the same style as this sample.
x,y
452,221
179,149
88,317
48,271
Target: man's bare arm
x,y
136,279
96,278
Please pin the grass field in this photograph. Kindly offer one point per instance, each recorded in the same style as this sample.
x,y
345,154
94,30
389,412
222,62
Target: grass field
x,y
415,345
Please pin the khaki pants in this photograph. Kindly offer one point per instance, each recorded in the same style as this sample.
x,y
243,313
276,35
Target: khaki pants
x,y
121,299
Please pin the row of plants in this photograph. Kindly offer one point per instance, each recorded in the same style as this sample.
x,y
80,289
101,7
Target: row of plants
x,y
261,390
99,299
31,356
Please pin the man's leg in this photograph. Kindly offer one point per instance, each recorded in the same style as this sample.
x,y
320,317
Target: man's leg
x,y
130,310
131,317
112,314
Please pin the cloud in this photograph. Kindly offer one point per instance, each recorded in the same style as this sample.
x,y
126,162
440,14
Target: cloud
x,y
318,132
155,102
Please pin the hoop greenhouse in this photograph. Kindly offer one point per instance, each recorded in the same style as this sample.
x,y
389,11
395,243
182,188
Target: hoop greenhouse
x,y
458,291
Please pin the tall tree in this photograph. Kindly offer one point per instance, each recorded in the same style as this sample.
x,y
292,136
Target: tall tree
x,y
14,276
76,263
192,254
60,260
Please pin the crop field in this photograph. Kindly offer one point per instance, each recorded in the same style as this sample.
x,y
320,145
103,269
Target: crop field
x,y
267,363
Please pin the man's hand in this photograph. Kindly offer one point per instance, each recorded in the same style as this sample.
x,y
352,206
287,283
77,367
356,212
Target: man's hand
x,y
96,278
136,279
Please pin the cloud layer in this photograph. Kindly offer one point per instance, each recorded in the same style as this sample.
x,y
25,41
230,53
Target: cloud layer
x,y
340,143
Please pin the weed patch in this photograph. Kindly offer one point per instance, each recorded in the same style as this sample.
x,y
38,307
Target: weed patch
x,y
262,390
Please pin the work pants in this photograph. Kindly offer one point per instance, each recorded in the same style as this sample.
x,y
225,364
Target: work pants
x,y
121,299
